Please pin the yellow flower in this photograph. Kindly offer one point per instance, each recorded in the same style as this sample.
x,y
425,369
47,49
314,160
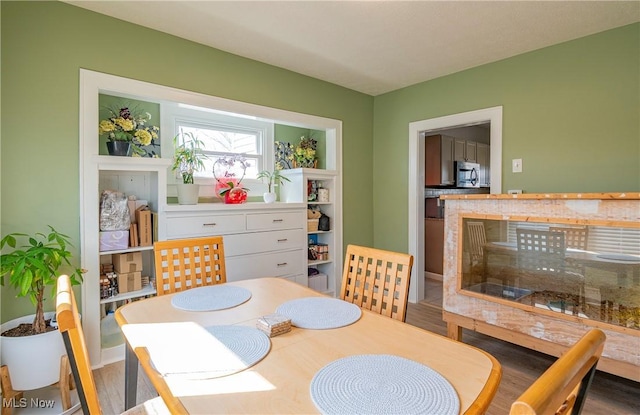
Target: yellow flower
x,y
125,124
144,137
106,126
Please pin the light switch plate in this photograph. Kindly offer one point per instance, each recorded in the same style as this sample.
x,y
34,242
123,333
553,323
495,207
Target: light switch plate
x,y
516,165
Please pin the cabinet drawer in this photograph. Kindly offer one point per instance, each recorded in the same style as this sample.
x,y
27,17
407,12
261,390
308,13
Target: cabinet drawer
x,y
275,264
190,226
257,242
267,221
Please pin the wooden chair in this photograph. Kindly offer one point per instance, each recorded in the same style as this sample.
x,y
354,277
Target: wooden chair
x,y
182,264
563,387
541,262
377,280
576,237
477,241
74,341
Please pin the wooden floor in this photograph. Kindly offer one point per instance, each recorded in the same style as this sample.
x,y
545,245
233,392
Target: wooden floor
x,y
609,395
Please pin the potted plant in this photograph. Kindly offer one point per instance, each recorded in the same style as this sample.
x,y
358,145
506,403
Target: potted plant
x,y
31,348
188,158
274,178
127,132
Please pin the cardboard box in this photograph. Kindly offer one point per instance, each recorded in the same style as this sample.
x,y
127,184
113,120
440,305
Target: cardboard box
x,y
143,218
129,281
113,240
128,262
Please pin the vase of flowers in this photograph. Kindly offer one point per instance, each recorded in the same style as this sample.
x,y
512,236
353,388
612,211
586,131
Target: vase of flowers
x,y
127,132
229,172
304,154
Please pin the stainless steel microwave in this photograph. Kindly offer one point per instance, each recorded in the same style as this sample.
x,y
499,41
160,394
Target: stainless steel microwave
x,y
467,174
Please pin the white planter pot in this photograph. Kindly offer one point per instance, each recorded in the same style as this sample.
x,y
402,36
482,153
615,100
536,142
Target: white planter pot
x,y
188,193
33,361
269,197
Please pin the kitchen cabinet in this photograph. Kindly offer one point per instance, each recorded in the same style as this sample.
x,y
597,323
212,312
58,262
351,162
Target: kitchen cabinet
x,y
464,150
439,160
483,158
433,245
303,188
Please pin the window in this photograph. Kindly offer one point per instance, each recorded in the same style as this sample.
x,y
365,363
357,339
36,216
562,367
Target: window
x,y
224,134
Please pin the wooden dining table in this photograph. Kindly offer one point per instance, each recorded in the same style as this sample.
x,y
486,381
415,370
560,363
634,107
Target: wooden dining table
x,y
280,382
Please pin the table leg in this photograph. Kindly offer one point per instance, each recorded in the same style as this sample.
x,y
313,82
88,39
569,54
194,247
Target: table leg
x,y
454,331
130,378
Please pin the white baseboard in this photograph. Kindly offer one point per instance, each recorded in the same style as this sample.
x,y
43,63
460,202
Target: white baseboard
x,y
433,276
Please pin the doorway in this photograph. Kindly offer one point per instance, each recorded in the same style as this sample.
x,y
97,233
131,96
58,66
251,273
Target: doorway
x,y
417,131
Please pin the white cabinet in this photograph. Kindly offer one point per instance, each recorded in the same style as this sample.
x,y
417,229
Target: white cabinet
x,y
483,158
146,179
304,188
464,150
260,240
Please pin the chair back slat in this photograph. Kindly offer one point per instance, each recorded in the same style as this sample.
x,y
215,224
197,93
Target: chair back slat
x,y
377,280
563,387
182,264
69,325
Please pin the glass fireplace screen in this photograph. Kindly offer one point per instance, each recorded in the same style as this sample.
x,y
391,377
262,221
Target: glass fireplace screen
x,y
588,271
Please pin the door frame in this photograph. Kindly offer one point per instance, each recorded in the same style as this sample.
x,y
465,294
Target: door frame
x,y
417,130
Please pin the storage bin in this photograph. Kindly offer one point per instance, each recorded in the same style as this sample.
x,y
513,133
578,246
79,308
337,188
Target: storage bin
x,y
312,225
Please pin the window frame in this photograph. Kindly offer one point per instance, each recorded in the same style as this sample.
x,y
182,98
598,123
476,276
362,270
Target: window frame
x,y
173,115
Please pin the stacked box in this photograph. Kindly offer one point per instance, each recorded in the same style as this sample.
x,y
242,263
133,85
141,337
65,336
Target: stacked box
x,y
129,281
143,219
127,262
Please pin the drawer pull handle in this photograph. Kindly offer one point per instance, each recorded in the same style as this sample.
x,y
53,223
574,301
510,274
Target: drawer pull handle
x,y
283,240
209,224
282,264
278,220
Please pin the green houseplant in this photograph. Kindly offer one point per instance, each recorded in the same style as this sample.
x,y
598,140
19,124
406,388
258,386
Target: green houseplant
x,y
188,158
274,178
33,266
29,347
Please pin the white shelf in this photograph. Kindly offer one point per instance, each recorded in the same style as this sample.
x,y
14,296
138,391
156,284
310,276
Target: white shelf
x,y
147,290
124,251
312,263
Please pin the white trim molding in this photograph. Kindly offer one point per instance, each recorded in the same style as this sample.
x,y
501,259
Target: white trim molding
x,y
417,130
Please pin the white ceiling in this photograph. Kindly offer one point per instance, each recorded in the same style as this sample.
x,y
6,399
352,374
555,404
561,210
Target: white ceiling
x,y
374,46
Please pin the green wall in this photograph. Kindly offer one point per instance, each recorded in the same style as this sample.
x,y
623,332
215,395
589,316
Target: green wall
x,y
44,45
570,111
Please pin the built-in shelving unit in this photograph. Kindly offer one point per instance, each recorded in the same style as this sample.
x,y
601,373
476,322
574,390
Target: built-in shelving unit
x,y
304,189
146,179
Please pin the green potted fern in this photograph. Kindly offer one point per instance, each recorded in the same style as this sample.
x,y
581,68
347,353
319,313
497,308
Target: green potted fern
x,y
274,178
34,263
188,158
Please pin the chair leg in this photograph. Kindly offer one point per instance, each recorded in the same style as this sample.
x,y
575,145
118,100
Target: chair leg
x,y
9,396
65,383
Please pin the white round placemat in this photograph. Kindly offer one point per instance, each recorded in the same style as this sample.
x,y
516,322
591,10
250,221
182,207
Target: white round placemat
x,y
320,312
210,298
230,349
382,384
